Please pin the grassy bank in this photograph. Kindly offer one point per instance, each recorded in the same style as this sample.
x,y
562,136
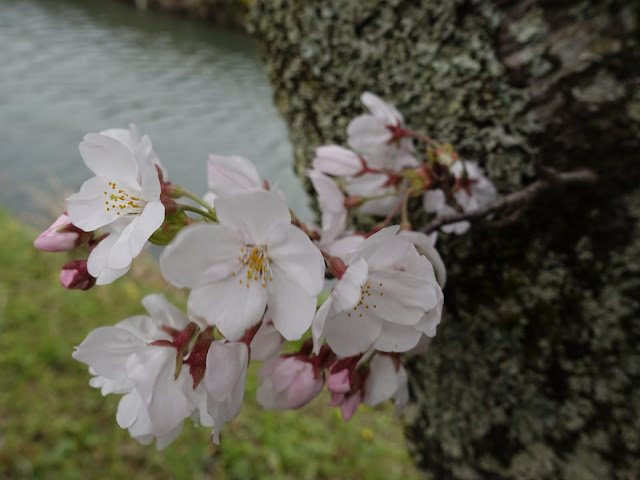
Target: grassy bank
x,y
53,425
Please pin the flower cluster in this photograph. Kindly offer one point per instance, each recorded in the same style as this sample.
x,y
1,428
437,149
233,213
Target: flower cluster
x,y
255,274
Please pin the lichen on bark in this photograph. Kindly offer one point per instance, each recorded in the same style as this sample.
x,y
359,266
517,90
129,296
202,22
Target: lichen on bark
x,y
534,371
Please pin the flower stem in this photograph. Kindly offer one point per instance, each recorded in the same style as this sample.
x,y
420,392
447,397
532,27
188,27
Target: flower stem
x,y
207,214
410,133
199,201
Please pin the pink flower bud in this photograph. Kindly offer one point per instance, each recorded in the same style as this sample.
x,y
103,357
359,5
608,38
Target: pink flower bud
x,y
350,405
61,236
340,378
74,276
288,383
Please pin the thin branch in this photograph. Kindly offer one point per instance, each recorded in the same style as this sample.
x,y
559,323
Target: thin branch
x,y
520,198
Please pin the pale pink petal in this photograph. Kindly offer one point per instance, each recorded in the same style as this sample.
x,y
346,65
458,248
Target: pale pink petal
x,y
382,382
292,308
200,254
149,175
253,213
51,240
267,342
317,327
136,234
229,305
232,174
106,349
129,409
372,184
337,161
152,372
343,246
403,297
98,262
350,405
396,338
425,246
433,200
348,336
108,158
297,258
365,132
380,109
346,292
87,209
164,312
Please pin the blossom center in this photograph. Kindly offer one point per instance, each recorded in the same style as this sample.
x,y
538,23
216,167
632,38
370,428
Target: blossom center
x,y
254,266
368,296
122,200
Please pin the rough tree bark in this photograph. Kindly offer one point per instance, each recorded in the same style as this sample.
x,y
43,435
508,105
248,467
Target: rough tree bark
x,y
535,369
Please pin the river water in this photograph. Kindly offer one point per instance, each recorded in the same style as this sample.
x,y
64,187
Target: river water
x,y
68,67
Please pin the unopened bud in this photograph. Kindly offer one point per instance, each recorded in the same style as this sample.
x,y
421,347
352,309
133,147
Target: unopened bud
x,y
74,276
169,204
336,266
61,236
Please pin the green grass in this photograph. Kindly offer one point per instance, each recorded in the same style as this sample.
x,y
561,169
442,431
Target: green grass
x,y
53,425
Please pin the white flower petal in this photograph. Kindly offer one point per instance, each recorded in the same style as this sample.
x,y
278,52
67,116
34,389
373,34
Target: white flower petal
x,y
108,158
254,213
381,109
346,292
152,372
164,312
382,382
348,336
403,296
291,307
424,245
267,341
232,174
317,327
292,253
136,234
199,255
87,209
229,305
433,200
337,161
397,338
107,349
365,133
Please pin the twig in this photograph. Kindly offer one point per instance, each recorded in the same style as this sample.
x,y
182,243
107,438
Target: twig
x,y
520,198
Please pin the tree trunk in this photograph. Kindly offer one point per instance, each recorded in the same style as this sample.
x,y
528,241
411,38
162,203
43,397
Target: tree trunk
x,y
535,368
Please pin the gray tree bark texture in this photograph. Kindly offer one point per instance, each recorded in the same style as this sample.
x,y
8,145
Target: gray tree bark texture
x,y
535,371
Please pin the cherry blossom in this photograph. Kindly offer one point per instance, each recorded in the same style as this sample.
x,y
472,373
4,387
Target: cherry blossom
x,y
252,259
123,198
384,299
376,135
126,361
477,192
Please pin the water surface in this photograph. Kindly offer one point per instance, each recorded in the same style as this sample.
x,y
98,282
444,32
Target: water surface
x,y
71,67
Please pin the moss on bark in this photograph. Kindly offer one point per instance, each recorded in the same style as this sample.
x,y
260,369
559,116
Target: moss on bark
x,y
534,371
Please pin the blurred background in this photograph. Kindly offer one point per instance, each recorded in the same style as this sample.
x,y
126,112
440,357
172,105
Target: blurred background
x,y
70,67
